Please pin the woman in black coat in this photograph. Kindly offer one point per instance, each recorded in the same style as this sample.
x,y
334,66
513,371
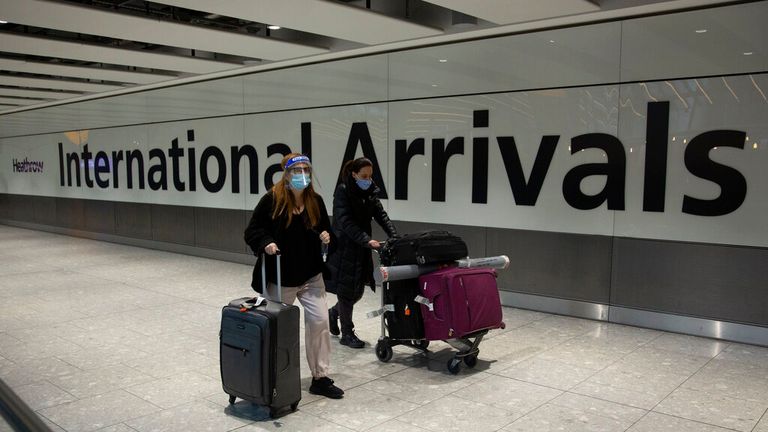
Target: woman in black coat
x,y
355,203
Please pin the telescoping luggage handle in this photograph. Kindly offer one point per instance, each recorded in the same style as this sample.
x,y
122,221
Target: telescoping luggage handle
x,y
264,275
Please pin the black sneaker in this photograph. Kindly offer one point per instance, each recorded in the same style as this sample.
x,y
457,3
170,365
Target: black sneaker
x,y
351,341
324,387
333,321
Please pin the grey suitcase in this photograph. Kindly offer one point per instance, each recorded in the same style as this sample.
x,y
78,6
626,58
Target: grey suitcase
x,y
259,351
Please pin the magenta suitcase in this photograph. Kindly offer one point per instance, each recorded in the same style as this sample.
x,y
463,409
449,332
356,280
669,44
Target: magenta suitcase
x,y
459,302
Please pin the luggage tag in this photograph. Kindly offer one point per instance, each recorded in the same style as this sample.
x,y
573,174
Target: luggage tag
x,y
425,301
380,311
252,303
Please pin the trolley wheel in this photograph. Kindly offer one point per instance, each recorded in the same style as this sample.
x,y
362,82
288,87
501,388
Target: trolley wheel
x,y
273,412
470,360
294,406
383,351
453,365
232,399
421,344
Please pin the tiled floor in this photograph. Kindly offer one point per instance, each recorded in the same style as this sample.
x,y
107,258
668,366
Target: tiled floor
x,y
99,336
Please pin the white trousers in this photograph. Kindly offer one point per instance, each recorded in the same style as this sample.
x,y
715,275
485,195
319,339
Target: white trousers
x,y
317,337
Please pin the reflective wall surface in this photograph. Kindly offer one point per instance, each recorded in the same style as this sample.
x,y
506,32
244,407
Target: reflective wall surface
x,y
618,163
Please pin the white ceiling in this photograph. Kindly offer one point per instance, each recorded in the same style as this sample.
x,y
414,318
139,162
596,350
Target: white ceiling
x,y
53,50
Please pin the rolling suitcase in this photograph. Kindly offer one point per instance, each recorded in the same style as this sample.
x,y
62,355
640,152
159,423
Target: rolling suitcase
x,y
259,351
457,302
425,247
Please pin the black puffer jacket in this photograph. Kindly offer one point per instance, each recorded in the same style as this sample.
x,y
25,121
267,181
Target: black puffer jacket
x,y
350,262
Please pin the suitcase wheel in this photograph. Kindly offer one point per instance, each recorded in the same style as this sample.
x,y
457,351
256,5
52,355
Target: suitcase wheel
x,y
232,399
294,406
383,351
453,365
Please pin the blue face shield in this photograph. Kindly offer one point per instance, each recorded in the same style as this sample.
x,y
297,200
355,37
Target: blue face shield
x,y
300,181
364,184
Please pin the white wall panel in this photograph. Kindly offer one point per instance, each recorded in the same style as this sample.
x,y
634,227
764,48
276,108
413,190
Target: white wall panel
x,y
696,43
695,107
525,116
330,129
556,58
343,82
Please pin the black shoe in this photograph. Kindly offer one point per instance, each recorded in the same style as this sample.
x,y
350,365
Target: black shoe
x,y
351,341
333,321
324,387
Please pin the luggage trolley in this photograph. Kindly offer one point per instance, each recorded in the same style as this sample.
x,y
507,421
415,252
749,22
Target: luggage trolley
x,y
393,308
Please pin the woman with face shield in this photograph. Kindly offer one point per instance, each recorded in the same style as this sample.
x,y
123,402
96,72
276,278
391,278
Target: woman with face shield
x,y
355,204
292,219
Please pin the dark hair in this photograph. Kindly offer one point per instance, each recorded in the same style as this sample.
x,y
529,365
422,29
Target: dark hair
x,y
354,166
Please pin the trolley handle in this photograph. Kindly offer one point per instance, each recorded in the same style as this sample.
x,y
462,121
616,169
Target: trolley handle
x,y
264,275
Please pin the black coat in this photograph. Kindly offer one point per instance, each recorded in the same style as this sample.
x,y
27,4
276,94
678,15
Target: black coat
x,y
263,230
350,263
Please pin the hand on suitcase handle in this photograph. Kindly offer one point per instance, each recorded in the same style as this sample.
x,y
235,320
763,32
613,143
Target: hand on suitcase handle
x,y
271,249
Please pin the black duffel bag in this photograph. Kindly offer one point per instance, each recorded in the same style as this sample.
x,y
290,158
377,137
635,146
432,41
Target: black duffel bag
x,y
425,247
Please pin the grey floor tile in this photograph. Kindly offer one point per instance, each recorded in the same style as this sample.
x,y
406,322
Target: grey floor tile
x,y
298,421
117,428
649,360
23,352
714,409
99,411
689,345
754,355
552,417
585,354
101,356
177,390
195,416
619,412
360,409
35,371
170,363
655,422
645,397
548,373
421,385
516,398
730,378
99,381
129,320
762,425
43,395
454,414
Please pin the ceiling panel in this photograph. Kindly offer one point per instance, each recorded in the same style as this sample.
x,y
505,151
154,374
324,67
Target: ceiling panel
x,y
39,94
321,17
99,45
54,69
516,11
12,101
55,84
94,53
75,18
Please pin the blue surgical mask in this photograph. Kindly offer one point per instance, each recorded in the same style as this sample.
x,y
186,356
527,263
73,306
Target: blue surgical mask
x,y
300,181
364,184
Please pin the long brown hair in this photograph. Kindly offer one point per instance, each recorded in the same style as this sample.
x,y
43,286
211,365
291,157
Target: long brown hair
x,y
285,202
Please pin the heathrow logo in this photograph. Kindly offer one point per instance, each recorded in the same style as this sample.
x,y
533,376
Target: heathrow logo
x,y
27,166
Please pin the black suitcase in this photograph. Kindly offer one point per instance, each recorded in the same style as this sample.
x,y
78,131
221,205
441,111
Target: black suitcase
x,y
259,351
405,321
425,247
